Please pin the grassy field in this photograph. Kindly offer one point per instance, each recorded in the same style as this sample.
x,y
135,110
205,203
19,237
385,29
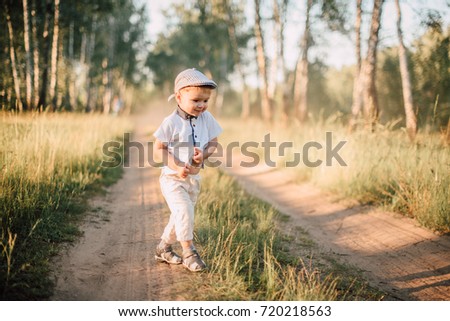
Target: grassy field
x,y
382,168
47,165
250,257
50,163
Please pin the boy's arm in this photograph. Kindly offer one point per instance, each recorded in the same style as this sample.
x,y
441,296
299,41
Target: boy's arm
x,y
161,151
210,148
199,156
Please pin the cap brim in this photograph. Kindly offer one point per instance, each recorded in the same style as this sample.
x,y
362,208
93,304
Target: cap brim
x,y
171,97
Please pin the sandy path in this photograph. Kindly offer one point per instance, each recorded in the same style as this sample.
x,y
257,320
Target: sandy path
x,y
397,256
114,260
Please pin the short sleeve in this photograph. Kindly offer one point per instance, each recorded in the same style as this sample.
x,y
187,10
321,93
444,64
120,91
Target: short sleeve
x,y
214,129
163,132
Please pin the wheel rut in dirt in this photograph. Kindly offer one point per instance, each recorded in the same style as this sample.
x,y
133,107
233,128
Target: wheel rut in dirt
x,y
114,260
395,255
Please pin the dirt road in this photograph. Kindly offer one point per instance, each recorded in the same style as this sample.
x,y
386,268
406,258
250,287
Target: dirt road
x,y
114,258
395,255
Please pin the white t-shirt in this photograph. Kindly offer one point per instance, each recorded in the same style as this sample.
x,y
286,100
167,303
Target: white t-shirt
x,y
180,135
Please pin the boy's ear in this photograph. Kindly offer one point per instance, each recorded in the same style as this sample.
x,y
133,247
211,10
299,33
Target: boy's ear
x,y
178,97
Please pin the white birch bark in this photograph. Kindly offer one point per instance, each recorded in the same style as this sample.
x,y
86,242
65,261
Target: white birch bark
x,y
54,57
411,121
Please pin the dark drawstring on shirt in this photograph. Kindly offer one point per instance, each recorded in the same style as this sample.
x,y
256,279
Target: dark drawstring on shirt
x,y
193,132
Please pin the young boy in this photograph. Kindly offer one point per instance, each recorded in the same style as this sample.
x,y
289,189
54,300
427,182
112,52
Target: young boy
x,y
184,141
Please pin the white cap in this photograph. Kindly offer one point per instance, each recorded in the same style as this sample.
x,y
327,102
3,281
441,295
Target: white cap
x,y
191,78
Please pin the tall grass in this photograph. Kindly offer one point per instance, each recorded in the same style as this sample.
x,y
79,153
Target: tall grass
x,y
383,168
245,250
47,162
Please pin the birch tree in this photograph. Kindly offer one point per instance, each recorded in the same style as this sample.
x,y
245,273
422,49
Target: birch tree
x,y
357,82
284,73
276,50
54,56
301,78
12,55
266,108
36,70
231,25
45,56
411,122
371,108
26,40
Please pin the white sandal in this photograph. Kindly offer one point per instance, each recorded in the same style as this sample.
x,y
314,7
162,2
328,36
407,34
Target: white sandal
x,y
193,262
167,255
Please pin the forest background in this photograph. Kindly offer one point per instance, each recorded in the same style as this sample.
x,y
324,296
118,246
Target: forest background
x,y
273,59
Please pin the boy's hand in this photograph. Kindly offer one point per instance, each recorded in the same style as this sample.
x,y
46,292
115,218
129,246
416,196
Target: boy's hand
x,y
197,159
184,171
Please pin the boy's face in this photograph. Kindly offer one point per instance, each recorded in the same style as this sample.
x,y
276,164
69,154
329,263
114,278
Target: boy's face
x,y
193,100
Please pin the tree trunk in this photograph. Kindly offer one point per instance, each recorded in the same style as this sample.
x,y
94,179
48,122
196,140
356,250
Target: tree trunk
x,y
245,111
284,80
35,54
302,77
54,57
71,77
262,68
371,108
276,54
28,72
90,51
107,95
45,59
12,55
411,122
358,79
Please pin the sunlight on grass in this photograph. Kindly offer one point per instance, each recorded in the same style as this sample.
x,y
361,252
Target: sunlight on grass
x,y
244,251
47,161
383,168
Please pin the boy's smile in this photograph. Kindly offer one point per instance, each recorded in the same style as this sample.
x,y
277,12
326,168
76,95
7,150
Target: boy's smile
x,y
194,100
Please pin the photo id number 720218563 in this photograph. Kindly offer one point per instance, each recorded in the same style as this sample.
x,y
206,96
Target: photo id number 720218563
x,y
296,311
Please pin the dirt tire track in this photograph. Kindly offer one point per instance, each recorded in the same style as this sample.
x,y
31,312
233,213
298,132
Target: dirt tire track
x,y
396,255
114,260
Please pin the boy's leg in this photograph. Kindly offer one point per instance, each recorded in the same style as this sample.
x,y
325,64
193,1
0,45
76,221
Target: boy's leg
x,y
191,258
180,225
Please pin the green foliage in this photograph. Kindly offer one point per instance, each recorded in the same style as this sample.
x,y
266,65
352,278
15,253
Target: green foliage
x,y
96,39
200,39
335,15
428,64
339,88
389,85
431,69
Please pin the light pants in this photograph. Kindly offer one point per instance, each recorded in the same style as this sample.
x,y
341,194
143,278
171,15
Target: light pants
x,y
181,196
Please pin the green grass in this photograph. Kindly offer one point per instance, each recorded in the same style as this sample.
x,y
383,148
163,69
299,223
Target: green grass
x,y
383,168
48,163
251,259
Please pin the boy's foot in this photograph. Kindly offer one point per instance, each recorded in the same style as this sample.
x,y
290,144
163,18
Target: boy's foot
x,y
167,255
193,262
